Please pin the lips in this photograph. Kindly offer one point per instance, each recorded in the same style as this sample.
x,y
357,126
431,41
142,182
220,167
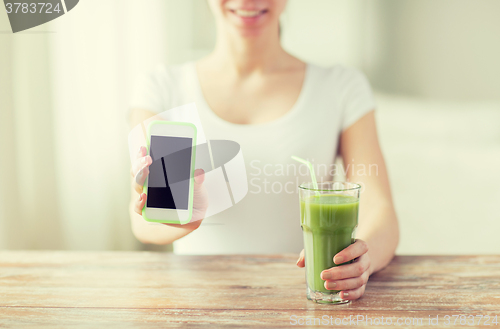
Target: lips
x,y
248,13
248,16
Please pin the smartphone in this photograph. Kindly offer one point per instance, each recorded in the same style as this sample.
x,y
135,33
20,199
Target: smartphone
x,y
169,185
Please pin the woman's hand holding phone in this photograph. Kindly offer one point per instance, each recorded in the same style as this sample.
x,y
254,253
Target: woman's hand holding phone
x,y
140,171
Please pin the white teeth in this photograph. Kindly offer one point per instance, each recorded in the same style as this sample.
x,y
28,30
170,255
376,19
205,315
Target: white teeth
x,y
247,13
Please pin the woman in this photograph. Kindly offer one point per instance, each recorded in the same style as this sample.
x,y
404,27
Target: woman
x,y
274,105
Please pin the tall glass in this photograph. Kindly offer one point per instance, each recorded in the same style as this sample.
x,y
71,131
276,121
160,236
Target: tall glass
x,y
329,217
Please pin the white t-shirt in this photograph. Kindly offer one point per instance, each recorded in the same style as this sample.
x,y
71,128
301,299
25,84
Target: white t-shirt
x,y
267,220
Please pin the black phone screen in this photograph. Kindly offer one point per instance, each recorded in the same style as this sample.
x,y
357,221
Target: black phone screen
x,y
169,174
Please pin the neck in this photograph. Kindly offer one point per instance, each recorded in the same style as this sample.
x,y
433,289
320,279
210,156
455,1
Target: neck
x,y
245,55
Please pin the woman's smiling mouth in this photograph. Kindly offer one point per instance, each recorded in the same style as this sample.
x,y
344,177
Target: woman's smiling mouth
x,y
248,17
248,13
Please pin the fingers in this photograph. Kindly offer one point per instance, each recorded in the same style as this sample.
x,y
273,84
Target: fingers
x,y
199,177
140,179
347,271
200,196
141,153
140,168
355,250
139,204
301,261
141,163
351,279
353,294
141,159
348,284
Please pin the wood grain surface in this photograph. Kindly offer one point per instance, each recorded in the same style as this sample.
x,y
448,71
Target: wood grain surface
x,y
56,289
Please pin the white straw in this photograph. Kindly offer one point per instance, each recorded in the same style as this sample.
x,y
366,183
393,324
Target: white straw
x,y
311,171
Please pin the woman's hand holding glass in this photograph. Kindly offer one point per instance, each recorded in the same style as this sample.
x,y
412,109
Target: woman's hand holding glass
x,y
351,278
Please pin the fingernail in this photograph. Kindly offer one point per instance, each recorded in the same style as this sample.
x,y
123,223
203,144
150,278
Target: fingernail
x,y
140,149
144,160
346,294
338,260
298,260
331,285
325,276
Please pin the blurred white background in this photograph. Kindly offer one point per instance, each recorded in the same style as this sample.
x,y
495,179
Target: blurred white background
x,y
64,87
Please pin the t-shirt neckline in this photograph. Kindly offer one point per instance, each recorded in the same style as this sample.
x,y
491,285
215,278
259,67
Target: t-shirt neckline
x,y
296,107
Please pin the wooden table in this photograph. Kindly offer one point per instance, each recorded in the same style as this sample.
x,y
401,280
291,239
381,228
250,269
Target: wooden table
x,y
146,289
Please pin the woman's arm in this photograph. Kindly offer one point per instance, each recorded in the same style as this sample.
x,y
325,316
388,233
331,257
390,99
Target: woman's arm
x,y
155,233
364,164
377,233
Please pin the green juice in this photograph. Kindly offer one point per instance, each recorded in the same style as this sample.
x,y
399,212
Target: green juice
x,y
328,222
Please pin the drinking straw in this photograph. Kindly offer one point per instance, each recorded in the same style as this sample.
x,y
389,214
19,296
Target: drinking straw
x,y
311,171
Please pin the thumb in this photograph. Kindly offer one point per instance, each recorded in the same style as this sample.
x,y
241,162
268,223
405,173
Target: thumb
x,y
301,261
199,177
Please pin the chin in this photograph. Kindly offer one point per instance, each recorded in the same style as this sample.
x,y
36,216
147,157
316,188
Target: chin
x,y
249,33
